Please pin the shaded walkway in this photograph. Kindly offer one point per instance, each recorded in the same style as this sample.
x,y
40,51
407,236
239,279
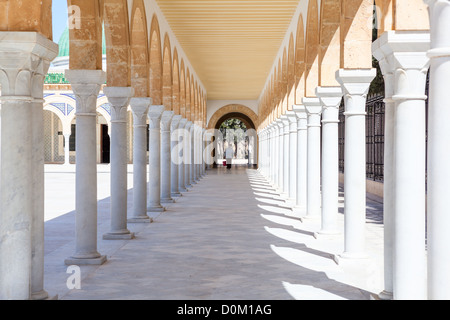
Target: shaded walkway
x,y
230,237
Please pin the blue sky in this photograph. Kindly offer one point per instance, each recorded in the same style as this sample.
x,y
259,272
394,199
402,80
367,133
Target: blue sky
x,y
59,18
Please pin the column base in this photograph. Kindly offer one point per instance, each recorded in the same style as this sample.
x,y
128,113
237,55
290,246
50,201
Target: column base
x,y
183,190
384,295
176,194
167,200
141,219
346,257
84,261
325,234
156,209
310,218
124,235
43,295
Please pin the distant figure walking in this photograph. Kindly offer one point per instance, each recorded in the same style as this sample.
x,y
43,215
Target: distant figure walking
x,y
229,153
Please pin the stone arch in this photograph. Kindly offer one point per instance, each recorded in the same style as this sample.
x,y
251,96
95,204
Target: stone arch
x,y
167,74
139,50
85,42
233,111
329,49
291,73
155,81
300,61
182,90
188,95
312,50
117,38
176,84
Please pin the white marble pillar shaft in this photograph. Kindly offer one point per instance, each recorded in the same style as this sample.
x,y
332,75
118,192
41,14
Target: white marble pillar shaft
x,y
166,121
154,171
438,219
119,98
86,86
292,155
280,160
179,155
139,108
389,172
330,98
174,170
302,159
286,155
24,60
355,86
192,153
187,155
313,202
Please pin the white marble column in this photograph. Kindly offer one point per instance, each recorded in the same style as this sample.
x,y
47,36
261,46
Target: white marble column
x,y
406,52
187,154
180,154
139,108
313,202
355,86
86,86
119,98
388,172
286,155
38,203
175,191
272,154
438,218
280,162
166,121
206,139
192,153
302,159
275,153
330,99
154,171
24,60
292,156
67,148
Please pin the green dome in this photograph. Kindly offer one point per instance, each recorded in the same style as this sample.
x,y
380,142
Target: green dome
x,y
64,43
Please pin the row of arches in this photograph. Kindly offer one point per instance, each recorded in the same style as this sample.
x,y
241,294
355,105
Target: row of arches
x,y
138,53
326,36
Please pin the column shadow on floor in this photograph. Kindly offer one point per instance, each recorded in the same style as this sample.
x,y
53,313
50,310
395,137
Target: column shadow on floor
x,y
316,266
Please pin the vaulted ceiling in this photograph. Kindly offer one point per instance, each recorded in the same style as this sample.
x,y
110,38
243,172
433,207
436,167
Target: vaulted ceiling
x,y
232,44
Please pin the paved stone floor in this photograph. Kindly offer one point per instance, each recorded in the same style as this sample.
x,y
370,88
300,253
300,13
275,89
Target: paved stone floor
x,y
231,237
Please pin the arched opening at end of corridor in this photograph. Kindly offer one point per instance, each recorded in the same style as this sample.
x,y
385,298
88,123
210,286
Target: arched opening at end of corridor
x,y
235,141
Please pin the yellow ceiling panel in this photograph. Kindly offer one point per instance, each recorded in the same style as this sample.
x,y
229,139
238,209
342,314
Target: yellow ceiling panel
x,y
231,44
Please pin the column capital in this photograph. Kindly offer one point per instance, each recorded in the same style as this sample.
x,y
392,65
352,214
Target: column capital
x,y
86,85
188,125
330,98
312,105
175,122
119,98
355,81
166,119
139,108
154,115
182,123
22,56
404,55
